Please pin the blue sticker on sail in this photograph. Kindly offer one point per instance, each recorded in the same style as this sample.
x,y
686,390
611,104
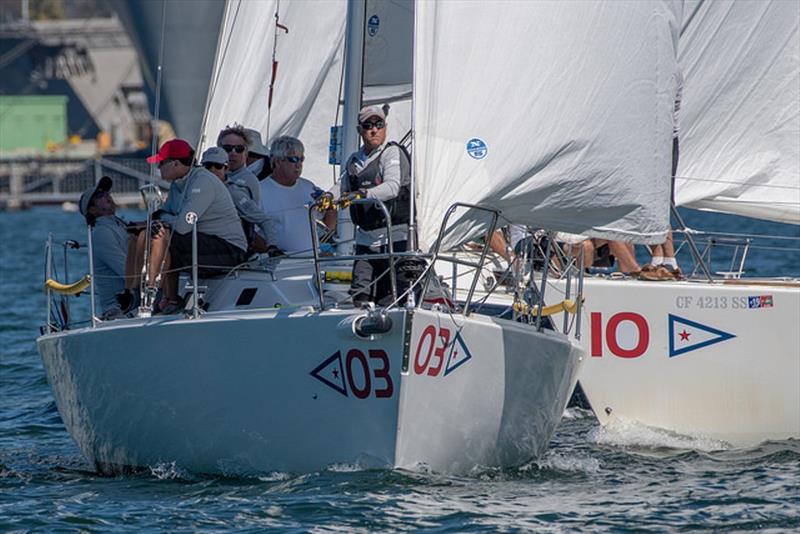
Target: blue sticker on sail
x,y
373,24
476,148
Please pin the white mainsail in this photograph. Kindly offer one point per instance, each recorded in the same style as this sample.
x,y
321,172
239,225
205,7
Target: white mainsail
x,y
559,114
388,50
740,119
305,96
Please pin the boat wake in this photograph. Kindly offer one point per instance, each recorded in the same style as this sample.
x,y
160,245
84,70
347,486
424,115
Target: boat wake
x,y
623,433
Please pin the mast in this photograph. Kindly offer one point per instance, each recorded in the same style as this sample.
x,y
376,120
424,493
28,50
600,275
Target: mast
x,y
353,81
413,245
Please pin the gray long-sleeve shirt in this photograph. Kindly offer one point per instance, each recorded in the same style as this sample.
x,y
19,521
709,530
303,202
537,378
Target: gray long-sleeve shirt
x,y
249,210
245,176
109,250
205,195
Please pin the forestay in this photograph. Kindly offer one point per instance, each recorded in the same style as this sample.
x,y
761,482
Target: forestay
x,y
305,96
559,114
740,120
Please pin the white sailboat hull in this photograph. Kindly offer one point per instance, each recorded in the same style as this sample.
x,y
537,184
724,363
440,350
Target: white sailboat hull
x,y
297,390
714,360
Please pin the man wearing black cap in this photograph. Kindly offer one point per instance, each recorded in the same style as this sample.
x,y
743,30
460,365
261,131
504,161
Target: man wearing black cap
x,y
379,170
113,250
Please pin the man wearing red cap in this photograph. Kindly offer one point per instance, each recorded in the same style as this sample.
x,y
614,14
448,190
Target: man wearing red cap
x,y
220,239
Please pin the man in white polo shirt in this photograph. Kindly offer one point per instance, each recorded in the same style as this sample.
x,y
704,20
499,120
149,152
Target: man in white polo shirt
x,y
285,197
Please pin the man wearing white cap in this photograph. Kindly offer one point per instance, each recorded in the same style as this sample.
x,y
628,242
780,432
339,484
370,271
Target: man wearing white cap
x,y
379,170
215,160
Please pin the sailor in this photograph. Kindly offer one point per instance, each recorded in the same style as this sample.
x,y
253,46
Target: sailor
x,y
379,170
233,140
663,265
215,160
220,239
286,197
113,248
257,154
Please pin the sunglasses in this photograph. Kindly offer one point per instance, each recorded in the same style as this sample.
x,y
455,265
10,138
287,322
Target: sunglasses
x,y
234,148
217,166
101,194
295,159
368,125
164,162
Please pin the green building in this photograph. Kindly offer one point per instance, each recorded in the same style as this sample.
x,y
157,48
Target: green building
x,y
28,124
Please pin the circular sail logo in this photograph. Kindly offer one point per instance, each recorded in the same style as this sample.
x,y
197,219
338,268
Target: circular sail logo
x,y
373,24
476,148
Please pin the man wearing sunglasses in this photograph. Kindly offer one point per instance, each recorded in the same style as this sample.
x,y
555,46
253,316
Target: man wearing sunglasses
x,y
285,197
379,170
233,140
257,154
220,239
215,160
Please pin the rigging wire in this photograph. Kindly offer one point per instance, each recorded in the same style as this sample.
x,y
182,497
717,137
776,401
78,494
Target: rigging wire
x,y
154,149
217,69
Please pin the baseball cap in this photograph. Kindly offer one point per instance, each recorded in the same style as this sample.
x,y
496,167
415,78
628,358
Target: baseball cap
x,y
215,154
104,184
373,111
172,149
255,145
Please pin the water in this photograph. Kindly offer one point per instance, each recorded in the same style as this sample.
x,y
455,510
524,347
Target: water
x,y
591,479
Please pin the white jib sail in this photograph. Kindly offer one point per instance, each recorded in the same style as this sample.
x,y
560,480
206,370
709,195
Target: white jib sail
x,y
306,91
559,114
740,118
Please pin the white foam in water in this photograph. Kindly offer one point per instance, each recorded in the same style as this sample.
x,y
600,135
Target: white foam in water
x,y
570,463
344,468
165,471
623,433
275,476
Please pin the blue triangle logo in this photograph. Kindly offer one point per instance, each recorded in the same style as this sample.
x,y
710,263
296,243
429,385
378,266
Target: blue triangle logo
x,y
686,336
331,373
459,355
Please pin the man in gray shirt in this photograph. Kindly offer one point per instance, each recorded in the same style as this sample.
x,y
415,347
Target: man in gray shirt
x,y
220,239
215,160
233,140
113,250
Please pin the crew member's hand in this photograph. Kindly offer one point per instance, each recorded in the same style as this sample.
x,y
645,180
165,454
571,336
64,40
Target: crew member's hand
x,y
159,229
274,252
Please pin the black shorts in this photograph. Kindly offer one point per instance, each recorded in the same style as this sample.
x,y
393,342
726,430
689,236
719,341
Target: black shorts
x,y
213,252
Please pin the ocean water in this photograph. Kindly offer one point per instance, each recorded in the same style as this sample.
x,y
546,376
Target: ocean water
x,y
591,479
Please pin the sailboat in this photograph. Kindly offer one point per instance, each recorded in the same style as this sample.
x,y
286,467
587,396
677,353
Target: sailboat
x,y
278,371
715,357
